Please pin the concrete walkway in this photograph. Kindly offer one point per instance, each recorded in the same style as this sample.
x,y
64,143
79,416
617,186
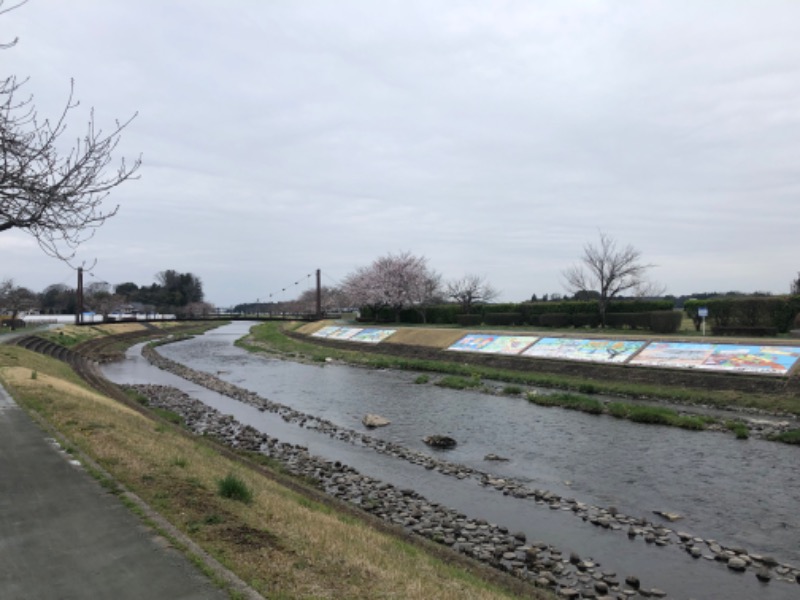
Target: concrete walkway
x,y
63,537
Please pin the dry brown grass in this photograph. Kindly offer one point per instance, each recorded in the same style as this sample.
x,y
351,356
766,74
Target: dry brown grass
x,y
425,336
282,543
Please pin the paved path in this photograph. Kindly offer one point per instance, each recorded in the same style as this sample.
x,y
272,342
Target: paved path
x,y
63,537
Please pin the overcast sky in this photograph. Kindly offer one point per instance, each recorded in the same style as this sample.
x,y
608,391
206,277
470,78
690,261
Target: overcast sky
x,y
494,138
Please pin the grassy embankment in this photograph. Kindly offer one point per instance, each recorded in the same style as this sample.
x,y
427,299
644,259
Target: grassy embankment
x,y
284,543
269,337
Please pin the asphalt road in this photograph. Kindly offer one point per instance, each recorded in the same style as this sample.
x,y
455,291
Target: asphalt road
x,y
64,537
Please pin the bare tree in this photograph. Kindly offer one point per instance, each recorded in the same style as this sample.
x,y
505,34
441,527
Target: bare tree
x,y
470,290
55,196
15,299
609,270
332,298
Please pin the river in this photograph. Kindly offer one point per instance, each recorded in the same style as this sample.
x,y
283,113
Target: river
x,y
740,493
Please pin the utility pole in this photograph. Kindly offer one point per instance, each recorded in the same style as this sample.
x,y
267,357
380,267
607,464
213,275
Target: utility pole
x,y
79,298
319,296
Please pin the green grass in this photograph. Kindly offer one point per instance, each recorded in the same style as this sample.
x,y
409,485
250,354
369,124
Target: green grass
x,y
568,401
234,488
512,390
422,379
657,415
456,382
787,437
168,415
741,430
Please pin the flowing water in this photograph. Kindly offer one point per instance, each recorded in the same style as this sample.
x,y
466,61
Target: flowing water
x,y
742,493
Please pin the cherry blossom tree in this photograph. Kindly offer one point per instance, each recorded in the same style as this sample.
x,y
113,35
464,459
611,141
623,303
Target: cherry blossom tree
x,y
394,282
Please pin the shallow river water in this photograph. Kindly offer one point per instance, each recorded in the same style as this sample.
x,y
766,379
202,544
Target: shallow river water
x,y
741,493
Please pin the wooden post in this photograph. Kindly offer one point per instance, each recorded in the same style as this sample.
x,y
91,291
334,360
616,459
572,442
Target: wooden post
x,y
79,298
319,296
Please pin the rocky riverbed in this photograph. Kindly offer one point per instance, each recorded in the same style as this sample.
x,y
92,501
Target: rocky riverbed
x,y
536,561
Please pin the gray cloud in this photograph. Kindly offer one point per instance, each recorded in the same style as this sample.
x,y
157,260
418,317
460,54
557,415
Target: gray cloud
x,y
283,137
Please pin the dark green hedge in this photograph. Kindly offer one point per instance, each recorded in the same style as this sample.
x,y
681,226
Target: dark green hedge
x,y
628,320
580,320
769,311
469,320
665,321
582,314
504,318
555,320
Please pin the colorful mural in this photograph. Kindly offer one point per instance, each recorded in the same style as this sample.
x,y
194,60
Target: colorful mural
x,y
584,349
372,336
768,360
355,334
493,344
325,332
772,360
337,333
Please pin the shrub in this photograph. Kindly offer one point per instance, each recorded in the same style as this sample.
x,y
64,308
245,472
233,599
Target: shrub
x,y
234,488
630,320
586,320
492,318
512,390
422,379
469,320
761,311
554,320
665,321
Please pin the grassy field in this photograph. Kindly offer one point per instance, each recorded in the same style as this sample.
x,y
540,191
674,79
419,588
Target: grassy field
x,y
284,543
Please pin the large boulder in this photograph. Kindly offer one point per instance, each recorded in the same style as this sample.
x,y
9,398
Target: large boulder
x,y
370,420
440,441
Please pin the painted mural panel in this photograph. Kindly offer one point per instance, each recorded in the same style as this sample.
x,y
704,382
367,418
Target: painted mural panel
x,y
772,360
325,332
372,336
584,349
354,334
337,333
493,344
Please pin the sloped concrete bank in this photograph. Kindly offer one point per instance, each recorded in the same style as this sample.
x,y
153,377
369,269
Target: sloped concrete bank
x,y
370,494
703,380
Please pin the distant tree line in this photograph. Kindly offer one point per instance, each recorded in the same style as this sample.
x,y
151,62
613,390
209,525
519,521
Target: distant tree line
x,y
172,293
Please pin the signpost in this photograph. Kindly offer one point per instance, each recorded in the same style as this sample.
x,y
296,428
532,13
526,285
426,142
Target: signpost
x,y
702,312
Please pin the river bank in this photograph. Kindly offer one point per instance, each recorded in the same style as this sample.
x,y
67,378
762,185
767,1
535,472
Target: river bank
x,y
638,529
290,541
